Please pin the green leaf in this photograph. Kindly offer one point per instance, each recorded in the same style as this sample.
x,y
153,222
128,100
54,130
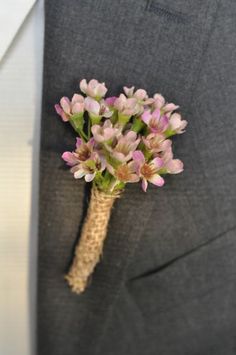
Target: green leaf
x,y
114,117
169,132
91,164
123,119
77,121
112,161
137,125
162,171
95,119
119,186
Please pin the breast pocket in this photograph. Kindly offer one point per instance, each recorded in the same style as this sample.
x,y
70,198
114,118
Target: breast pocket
x,y
169,43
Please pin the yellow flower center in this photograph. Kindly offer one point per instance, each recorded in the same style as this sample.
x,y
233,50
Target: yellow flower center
x,y
147,171
83,153
123,173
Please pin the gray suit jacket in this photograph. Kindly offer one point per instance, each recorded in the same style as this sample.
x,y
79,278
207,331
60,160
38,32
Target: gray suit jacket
x,y
166,283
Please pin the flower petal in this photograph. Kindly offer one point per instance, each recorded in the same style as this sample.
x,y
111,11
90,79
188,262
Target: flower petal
x,y
65,104
69,158
170,107
79,141
174,166
157,180
78,108
97,133
58,109
92,105
156,113
83,86
134,178
144,185
164,122
89,177
159,100
146,116
110,100
157,162
131,136
101,90
141,94
139,157
128,91
77,98
108,133
78,174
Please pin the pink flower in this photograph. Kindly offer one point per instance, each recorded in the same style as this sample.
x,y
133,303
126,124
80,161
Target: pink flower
x,y
104,133
70,158
155,121
89,168
110,100
68,108
124,147
82,152
93,88
124,172
140,95
159,102
126,107
176,124
156,143
148,172
170,165
84,160
97,109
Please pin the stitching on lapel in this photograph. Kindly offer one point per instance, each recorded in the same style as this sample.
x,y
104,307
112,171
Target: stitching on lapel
x,y
172,16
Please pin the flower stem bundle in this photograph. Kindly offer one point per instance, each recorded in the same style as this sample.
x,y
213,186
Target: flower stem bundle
x,y
121,139
89,249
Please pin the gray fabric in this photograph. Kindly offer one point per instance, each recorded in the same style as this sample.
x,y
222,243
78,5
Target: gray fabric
x,y
166,284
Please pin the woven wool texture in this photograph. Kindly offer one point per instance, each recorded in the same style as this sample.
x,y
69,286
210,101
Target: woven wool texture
x,y
166,282
90,245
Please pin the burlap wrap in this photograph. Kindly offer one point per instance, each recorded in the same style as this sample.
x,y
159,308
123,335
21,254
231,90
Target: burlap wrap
x,y
90,245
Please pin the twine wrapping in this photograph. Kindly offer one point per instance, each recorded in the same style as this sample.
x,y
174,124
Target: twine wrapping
x,y
90,245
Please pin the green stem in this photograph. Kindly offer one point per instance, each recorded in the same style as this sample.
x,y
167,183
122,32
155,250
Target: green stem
x,y
89,128
79,131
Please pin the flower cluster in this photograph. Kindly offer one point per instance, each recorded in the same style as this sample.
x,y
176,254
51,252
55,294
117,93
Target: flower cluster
x,y
122,139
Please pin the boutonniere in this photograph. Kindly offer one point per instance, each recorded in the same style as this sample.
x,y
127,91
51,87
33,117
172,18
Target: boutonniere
x,y
120,140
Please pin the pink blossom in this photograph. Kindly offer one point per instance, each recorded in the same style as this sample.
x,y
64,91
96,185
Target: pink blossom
x,y
110,100
126,144
140,94
170,165
82,152
104,133
97,109
127,107
124,172
176,124
130,136
93,88
67,108
159,102
89,168
156,122
70,158
148,171
156,143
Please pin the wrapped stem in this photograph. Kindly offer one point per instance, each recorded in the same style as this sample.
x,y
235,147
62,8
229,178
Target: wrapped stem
x,y
90,245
